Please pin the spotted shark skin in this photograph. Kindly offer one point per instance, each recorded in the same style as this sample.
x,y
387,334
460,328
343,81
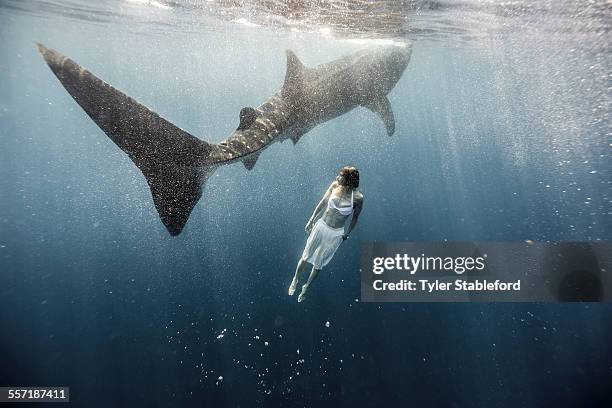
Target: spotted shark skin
x,y
176,164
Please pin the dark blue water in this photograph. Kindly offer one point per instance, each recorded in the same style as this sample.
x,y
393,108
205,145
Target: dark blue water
x,y
503,134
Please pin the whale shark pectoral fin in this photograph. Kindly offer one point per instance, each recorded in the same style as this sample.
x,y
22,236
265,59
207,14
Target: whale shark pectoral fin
x,y
294,77
248,116
382,107
250,160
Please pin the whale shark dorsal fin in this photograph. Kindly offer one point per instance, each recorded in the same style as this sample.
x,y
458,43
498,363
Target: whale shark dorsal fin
x,y
248,116
249,161
382,107
294,77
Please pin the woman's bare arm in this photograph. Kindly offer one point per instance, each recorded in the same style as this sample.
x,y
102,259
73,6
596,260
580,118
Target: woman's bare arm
x,y
355,218
320,207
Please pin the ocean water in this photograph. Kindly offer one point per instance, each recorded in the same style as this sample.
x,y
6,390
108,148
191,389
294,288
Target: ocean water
x,y
503,134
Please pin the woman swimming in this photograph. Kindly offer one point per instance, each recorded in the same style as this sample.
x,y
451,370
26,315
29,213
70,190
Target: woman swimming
x,y
326,225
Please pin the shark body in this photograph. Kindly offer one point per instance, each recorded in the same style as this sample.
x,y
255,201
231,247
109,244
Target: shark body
x,y
176,164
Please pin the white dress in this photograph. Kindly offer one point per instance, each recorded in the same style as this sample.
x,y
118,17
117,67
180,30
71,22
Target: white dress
x,y
323,241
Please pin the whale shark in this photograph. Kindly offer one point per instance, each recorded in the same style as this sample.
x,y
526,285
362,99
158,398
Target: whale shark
x,y
177,164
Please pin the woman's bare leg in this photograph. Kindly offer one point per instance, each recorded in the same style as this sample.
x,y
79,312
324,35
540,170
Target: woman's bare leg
x,y
312,277
298,273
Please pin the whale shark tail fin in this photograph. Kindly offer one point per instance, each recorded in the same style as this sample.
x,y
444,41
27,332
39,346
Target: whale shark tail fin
x,y
176,190
173,161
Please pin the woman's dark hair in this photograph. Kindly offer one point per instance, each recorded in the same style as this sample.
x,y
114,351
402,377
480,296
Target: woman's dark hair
x,y
349,177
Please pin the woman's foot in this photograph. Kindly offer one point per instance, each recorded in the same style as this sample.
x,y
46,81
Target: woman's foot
x,y
292,287
303,294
